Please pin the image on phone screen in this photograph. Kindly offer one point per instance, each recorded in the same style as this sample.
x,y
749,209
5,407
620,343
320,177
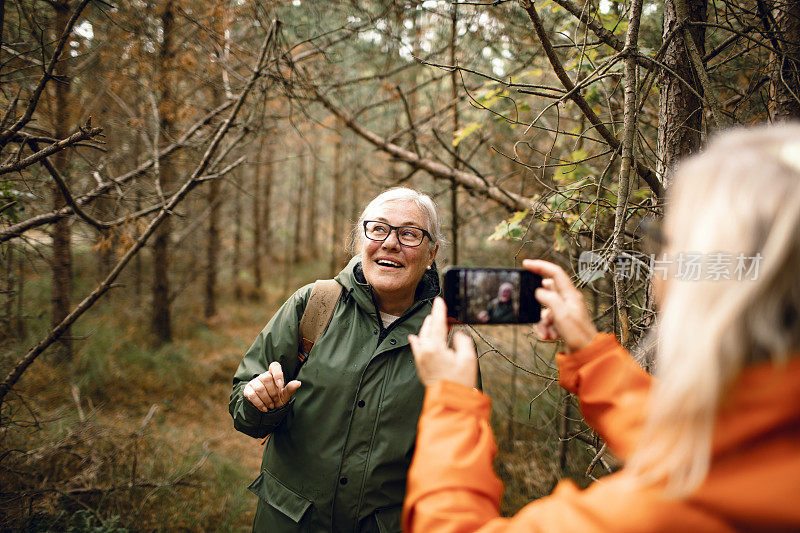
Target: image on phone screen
x,y
491,295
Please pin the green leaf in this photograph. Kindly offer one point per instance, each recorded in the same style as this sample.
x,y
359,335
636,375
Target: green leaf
x,y
561,242
465,132
512,228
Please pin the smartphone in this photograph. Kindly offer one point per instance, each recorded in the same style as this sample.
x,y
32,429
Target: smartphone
x,y
491,295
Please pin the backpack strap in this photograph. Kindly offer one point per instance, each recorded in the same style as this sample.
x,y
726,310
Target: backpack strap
x,y
317,315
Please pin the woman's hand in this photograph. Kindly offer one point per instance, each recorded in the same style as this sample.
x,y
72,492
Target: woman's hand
x,y
267,391
434,360
565,314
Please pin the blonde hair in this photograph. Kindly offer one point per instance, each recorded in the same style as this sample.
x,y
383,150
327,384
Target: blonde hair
x,y
402,194
740,197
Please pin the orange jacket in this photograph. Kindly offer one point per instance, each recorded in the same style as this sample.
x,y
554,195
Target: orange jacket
x,y
753,483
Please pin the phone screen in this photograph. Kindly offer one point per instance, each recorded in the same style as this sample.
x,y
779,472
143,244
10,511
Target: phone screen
x,y
491,295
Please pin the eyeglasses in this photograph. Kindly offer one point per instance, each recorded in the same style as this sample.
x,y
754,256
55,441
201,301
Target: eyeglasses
x,y
375,230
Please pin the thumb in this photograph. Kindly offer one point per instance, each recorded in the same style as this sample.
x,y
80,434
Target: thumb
x,y
465,369
289,390
463,346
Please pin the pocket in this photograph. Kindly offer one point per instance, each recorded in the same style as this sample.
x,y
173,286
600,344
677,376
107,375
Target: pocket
x,y
279,496
388,519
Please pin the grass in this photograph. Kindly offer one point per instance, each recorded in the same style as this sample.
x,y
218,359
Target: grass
x,y
124,436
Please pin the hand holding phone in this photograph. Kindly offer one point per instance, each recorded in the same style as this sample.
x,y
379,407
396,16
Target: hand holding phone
x,y
565,315
435,361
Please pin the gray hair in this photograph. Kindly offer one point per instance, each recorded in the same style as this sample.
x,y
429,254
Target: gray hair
x,y
739,196
421,200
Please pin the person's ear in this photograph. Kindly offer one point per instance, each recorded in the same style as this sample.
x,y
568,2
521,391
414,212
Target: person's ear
x,y
432,254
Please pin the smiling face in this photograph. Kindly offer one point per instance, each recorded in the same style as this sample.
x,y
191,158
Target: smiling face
x,y
394,270
504,294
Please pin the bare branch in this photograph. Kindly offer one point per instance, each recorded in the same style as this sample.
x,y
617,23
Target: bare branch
x,y
65,192
471,182
84,132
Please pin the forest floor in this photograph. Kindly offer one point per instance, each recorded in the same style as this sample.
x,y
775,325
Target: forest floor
x,y
128,437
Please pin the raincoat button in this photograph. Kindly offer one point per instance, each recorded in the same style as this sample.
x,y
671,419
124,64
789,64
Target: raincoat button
x,y
343,481
374,331
361,403
392,341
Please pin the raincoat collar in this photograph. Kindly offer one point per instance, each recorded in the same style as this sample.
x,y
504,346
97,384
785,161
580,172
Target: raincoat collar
x,y
355,284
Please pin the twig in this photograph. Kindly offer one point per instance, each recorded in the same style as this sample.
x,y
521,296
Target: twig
x,y
84,132
410,118
67,195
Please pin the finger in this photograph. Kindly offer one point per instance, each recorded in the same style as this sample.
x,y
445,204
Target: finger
x,y
466,361
439,318
251,396
263,393
289,390
412,341
550,270
277,373
540,330
271,390
258,396
426,326
550,299
548,283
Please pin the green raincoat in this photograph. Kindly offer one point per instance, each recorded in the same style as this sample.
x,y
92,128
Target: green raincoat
x,y
339,451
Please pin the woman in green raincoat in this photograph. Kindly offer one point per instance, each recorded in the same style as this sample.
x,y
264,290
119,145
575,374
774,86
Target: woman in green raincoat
x,y
342,427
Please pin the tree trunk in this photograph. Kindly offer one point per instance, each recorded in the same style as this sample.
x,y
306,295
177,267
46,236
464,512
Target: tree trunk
x,y
138,277
268,167
104,239
137,264
311,219
61,266
213,197
7,257
212,247
20,294
336,223
454,99
213,202
237,244
299,237
355,184
785,67
161,322
258,231
680,109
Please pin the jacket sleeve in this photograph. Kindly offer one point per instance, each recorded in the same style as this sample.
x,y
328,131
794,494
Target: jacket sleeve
x,y
278,341
452,486
612,389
